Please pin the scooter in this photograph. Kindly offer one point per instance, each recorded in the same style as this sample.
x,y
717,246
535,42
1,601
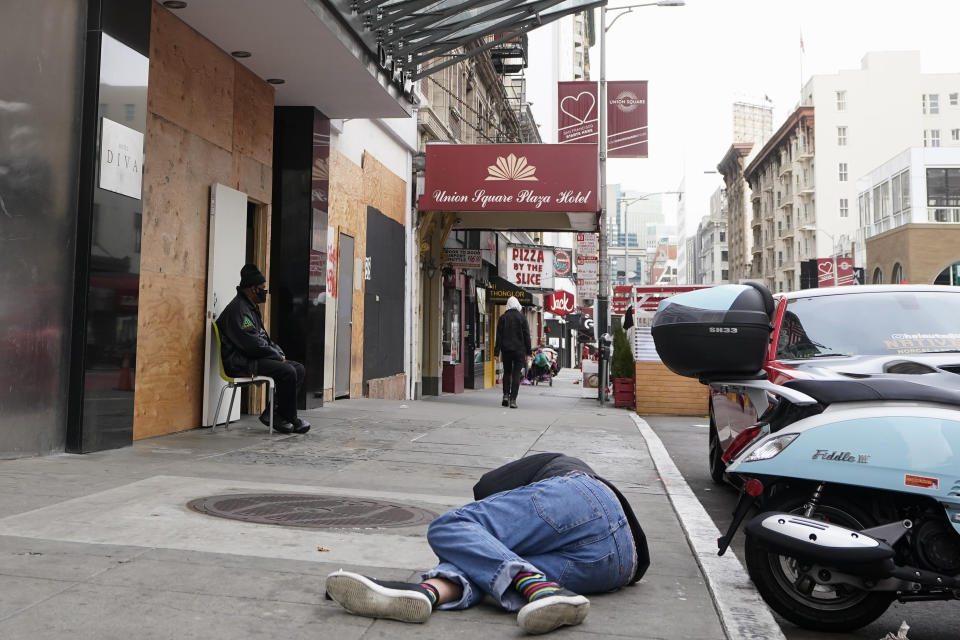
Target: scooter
x,y
858,487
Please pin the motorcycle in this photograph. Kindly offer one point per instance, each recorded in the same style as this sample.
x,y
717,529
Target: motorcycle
x,y
857,484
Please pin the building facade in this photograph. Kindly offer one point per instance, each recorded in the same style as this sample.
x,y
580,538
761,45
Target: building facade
x,y
712,243
910,218
804,178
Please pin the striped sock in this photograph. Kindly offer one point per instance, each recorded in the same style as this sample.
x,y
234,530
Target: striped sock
x,y
432,593
534,585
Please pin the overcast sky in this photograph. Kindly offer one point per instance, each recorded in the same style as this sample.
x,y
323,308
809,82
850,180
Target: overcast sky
x,y
702,57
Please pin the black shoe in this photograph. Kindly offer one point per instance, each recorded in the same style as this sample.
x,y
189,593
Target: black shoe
x,y
265,417
300,425
564,608
282,425
363,596
513,404
506,401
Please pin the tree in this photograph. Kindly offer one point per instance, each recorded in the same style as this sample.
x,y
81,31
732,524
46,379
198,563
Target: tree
x,y
622,365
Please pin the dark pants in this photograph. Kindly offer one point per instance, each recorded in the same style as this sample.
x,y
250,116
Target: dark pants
x,y
513,363
288,376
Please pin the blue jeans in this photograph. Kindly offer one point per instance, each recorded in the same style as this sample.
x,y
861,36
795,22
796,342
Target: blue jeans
x,y
570,528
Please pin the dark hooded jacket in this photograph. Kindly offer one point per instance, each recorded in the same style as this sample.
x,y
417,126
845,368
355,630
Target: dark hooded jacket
x,y
243,338
513,334
541,466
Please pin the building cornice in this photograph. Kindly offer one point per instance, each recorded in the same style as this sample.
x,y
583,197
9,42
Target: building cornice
x,y
731,161
802,115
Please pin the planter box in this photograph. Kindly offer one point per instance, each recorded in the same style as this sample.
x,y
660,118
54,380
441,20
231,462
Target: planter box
x,y
623,384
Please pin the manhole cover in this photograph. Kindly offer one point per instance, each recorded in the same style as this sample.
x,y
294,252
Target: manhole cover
x,y
311,511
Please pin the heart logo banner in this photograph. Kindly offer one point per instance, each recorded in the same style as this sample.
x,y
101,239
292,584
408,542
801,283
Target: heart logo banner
x,y
577,120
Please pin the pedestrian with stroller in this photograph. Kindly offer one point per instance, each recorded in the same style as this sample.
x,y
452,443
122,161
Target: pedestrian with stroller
x,y
512,346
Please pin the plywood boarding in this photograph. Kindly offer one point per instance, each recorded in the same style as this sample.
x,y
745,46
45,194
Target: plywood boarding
x,y
347,210
196,80
662,392
179,170
252,116
383,189
169,354
192,123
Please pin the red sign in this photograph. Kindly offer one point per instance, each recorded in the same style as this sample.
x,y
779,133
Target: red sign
x,y
560,302
511,177
577,117
826,274
627,119
845,276
561,262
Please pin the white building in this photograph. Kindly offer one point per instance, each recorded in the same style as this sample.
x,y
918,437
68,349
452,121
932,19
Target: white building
x,y
711,251
804,178
912,199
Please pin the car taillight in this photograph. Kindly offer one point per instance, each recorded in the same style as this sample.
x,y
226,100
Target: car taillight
x,y
740,442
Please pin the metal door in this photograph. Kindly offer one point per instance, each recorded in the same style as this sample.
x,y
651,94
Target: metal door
x,y
341,384
226,254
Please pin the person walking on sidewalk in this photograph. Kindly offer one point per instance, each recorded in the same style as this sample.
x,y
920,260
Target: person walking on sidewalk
x,y
512,346
543,530
247,350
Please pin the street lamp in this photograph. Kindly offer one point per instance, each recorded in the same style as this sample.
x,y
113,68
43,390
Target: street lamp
x,y
603,277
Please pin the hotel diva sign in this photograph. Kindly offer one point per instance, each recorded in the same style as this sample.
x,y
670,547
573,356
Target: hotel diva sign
x,y
511,177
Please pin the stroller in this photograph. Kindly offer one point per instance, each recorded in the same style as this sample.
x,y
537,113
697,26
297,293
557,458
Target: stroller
x,y
541,370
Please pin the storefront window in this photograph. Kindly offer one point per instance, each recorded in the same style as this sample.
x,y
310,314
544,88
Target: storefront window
x,y
451,325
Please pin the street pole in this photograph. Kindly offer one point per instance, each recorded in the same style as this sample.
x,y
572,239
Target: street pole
x,y
603,275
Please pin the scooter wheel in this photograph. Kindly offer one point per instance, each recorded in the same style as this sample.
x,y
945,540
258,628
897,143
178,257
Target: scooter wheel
x,y
780,579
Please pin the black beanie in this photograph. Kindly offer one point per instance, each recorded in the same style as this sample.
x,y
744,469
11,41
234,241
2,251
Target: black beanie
x,y
250,275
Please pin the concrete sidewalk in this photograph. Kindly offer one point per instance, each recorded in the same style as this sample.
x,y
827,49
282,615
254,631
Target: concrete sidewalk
x,y
103,545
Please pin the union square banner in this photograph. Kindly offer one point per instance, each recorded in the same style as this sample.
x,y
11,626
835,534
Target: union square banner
x,y
511,177
626,116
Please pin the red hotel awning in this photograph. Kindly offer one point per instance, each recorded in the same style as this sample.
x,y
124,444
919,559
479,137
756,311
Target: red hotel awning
x,y
528,187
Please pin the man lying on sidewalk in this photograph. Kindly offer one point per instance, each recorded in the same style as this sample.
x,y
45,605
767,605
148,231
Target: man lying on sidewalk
x,y
543,530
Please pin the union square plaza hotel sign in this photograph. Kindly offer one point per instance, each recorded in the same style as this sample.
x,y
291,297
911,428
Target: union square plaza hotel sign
x,y
521,178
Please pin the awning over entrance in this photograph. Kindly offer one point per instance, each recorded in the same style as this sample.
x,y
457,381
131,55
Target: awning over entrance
x,y
529,187
420,36
500,290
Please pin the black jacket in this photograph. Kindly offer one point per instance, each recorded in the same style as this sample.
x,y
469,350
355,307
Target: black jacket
x,y
243,338
541,466
513,334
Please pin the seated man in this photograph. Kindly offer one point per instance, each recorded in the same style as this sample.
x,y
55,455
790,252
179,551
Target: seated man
x,y
544,530
247,350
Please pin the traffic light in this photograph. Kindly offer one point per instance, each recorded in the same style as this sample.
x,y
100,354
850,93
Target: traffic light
x,y
546,329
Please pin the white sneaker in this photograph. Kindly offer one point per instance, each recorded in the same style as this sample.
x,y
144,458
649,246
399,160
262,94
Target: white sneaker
x,y
564,608
372,598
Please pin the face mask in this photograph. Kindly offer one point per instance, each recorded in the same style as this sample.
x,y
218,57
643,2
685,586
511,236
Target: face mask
x,y
261,294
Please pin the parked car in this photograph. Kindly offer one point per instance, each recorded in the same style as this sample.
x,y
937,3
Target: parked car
x,y
888,331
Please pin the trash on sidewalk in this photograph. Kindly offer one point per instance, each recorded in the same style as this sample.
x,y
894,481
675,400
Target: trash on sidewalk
x,y
901,633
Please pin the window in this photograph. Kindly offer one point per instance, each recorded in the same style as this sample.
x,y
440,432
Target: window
x,y
841,136
723,256
905,189
844,208
779,258
841,100
897,197
877,276
931,103
129,111
897,276
955,134
843,172
931,137
724,275
723,236
953,99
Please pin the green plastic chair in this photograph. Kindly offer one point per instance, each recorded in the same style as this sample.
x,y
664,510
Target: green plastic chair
x,y
236,383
